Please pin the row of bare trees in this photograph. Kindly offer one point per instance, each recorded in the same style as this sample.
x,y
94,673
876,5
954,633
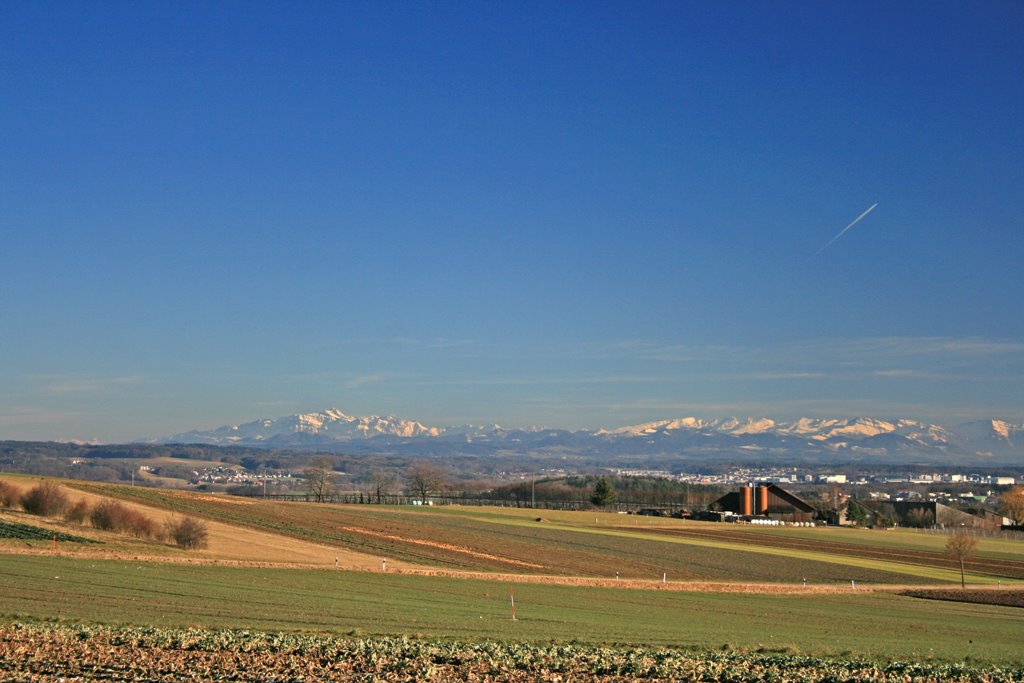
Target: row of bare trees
x,y
422,480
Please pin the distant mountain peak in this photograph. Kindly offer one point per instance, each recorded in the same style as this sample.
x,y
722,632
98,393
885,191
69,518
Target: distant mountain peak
x,y
682,437
331,424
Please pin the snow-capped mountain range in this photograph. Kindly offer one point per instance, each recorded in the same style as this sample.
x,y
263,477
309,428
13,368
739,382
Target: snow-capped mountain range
x,y
692,437
328,425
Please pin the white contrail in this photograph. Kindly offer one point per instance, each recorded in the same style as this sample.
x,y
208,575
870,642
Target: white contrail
x,y
843,231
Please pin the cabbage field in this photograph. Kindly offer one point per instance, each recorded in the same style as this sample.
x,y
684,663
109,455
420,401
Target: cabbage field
x,y
71,653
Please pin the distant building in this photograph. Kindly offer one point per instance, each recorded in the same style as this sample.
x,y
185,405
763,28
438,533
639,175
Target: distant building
x,y
935,514
767,500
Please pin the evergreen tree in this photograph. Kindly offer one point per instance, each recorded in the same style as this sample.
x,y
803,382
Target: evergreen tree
x,y
604,494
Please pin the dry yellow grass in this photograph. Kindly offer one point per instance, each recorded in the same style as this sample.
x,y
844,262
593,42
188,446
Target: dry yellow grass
x,y
227,543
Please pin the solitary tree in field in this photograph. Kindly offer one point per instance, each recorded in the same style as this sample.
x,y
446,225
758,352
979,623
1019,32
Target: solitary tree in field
x,y
1013,504
961,547
423,479
320,479
604,494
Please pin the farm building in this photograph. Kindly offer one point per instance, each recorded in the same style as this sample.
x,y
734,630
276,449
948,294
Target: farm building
x,y
767,500
931,513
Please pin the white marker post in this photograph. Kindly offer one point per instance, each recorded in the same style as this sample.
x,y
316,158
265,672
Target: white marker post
x,y
512,599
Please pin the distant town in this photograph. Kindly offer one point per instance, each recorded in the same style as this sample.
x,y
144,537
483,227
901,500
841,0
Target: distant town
x,y
793,475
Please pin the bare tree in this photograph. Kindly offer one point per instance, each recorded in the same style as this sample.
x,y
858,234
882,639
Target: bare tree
x,y
1013,504
425,478
78,512
10,495
46,499
381,483
961,547
920,518
187,532
320,479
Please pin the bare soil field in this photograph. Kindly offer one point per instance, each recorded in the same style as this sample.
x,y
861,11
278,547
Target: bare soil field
x,y
1007,598
981,565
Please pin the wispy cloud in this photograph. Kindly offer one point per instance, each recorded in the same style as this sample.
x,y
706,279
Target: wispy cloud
x,y
349,380
904,373
412,342
83,384
815,357
650,350
276,404
913,346
359,380
772,376
19,416
857,347
546,380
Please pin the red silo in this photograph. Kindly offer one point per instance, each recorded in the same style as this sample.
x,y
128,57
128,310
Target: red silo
x,y
762,501
745,500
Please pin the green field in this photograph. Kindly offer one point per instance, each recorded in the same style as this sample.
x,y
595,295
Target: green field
x,y
130,583
601,544
876,625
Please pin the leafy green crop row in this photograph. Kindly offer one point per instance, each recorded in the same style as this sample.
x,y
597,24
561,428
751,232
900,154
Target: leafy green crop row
x,y
27,532
42,652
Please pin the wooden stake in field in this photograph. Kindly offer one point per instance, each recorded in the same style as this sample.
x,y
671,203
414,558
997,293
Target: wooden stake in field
x,y
512,599
54,546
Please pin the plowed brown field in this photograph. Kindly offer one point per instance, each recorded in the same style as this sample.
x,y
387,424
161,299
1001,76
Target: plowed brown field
x,y
992,566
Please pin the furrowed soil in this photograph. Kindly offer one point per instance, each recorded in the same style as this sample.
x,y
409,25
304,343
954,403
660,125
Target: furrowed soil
x,y
1007,598
500,541
981,565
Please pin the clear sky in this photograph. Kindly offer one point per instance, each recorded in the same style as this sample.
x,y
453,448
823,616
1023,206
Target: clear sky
x,y
573,214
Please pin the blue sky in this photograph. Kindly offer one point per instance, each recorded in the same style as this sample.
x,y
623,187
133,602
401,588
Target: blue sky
x,y
573,214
